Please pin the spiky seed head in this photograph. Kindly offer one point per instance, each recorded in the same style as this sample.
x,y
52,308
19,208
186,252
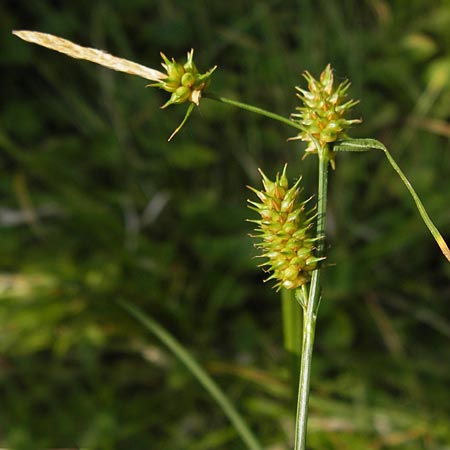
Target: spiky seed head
x,y
183,81
323,110
283,232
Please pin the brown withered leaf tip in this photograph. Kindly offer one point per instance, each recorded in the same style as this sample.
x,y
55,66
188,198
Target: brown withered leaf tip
x,y
90,54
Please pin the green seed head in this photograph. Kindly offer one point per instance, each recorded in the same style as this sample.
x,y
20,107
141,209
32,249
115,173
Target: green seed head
x,y
283,232
323,110
183,81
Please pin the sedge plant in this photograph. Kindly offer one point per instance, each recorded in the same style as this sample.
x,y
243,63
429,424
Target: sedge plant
x,y
290,233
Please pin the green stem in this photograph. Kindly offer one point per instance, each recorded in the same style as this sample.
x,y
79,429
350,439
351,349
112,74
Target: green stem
x,y
253,109
311,307
292,325
203,378
292,322
309,325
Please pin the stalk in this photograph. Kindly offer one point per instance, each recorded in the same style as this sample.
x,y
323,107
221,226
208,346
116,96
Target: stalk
x,y
194,367
310,307
292,337
292,323
253,109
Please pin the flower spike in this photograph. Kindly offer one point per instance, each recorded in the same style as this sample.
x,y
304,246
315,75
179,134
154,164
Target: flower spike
x,y
283,231
183,81
322,111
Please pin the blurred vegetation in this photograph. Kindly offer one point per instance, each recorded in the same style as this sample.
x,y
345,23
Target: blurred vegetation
x,y
96,205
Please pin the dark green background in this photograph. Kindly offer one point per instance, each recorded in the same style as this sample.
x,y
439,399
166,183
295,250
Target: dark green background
x,y
96,205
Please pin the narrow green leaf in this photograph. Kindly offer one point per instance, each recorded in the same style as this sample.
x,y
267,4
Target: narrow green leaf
x,y
197,371
358,145
362,145
185,118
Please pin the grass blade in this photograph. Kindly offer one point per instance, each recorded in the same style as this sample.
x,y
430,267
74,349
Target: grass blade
x,y
360,145
197,371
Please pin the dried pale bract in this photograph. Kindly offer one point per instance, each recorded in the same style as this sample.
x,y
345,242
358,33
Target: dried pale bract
x,y
90,54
